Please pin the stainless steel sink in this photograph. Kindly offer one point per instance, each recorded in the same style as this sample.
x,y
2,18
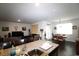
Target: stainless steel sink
x,y
35,52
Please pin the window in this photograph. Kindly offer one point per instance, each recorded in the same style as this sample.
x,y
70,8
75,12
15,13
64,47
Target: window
x,y
64,28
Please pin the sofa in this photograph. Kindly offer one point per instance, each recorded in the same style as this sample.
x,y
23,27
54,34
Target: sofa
x,y
20,40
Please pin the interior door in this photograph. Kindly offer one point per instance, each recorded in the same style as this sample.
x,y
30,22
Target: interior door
x,y
34,29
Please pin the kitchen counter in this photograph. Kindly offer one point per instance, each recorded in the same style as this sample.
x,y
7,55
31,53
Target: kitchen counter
x,y
25,48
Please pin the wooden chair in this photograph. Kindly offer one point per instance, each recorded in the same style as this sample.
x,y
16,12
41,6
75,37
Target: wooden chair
x,y
58,39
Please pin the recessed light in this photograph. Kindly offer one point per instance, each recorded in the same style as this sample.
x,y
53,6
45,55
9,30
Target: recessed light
x,y
19,20
37,4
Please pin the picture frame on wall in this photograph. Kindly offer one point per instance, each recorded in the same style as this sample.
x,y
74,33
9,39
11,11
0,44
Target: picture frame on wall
x,y
16,28
5,28
23,28
41,30
74,27
55,28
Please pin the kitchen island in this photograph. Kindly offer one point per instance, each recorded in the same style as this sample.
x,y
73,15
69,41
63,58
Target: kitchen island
x,y
23,49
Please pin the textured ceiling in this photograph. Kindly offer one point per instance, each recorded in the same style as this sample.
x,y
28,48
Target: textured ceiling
x,y
30,13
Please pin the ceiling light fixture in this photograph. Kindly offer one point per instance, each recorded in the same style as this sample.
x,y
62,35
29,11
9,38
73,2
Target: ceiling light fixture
x,y
19,20
37,4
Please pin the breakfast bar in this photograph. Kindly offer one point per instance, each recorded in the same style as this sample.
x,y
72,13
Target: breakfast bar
x,y
42,46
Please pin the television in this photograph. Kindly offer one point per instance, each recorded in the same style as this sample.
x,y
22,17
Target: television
x,y
17,34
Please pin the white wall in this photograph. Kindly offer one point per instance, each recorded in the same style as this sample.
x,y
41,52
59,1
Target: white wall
x,y
72,37
41,25
46,26
11,26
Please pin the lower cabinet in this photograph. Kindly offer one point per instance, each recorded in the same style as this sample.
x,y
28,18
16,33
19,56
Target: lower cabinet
x,y
77,47
54,52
